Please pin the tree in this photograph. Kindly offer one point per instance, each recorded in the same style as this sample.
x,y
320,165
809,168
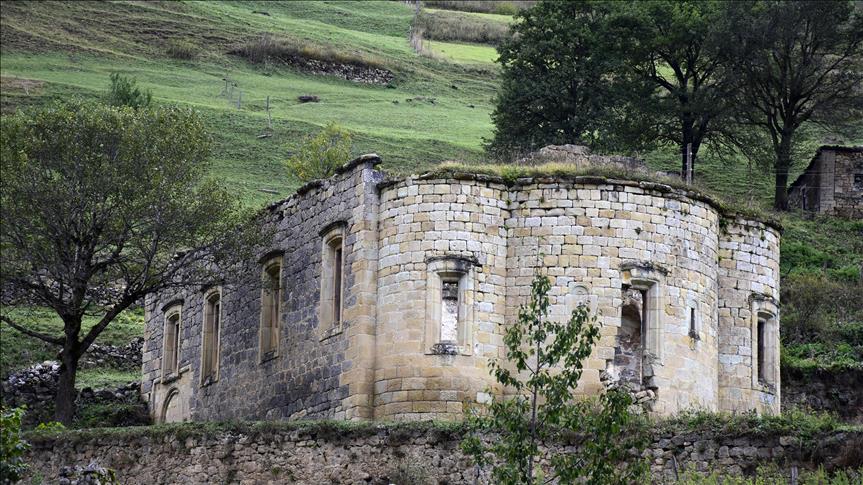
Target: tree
x,y
95,198
801,64
320,155
672,51
625,75
553,86
125,92
544,363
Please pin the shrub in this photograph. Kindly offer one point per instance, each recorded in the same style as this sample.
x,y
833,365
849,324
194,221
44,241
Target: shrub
x,y
818,309
544,363
12,447
125,92
320,155
180,49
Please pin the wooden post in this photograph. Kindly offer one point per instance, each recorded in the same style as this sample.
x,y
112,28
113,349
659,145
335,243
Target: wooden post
x,y
269,118
239,99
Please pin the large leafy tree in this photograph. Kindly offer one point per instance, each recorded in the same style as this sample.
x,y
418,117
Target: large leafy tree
x,y
544,361
96,198
624,75
801,64
553,89
673,80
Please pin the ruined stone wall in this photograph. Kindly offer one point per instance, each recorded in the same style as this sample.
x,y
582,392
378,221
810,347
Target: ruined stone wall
x,y
848,196
748,291
828,184
312,374
483,239
382,455
592,238
424,224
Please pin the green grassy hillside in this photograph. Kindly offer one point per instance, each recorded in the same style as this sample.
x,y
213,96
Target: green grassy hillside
x,y
434,110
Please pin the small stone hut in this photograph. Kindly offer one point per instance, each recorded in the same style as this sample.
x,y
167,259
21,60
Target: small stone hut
x,y
386,299
832,183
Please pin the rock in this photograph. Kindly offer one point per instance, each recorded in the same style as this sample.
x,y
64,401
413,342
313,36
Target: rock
x,y
308,98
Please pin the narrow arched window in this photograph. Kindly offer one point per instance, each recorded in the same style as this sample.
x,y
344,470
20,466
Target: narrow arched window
x,y
171,350
331,312
271,307
210,338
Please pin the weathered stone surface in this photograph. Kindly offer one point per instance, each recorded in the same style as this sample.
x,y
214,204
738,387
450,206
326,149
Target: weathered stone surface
x,y
381,455
706,277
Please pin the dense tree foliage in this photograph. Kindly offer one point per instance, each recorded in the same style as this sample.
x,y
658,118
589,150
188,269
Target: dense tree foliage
x,y
544,361
553,89
321,154
800,63
633,75
102,206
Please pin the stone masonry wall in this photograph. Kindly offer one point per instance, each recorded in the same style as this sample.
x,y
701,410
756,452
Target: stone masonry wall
x,y
749,290
310,376
848,197
405,239
590,237
420,455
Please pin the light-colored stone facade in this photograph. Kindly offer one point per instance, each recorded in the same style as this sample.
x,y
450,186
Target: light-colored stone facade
x,y
422,251
832,183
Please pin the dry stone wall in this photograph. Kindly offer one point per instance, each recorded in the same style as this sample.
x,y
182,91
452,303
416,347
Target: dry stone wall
x,y
421,454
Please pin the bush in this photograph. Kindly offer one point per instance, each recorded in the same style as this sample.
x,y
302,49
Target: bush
x,y
772,475
180,49
816,309
124,92
320,155
12,447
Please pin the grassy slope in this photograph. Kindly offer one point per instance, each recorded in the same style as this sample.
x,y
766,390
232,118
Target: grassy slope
x,y
74,46
18,351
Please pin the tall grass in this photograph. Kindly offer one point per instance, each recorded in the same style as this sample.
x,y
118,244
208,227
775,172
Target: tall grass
x,y
449,26
268,48
482,6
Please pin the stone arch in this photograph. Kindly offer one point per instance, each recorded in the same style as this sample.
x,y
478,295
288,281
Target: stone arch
x,y
171,409
629,351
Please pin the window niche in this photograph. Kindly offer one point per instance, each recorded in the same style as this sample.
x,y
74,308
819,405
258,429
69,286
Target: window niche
x,y
449,306
765,359
271,307
644,281
331,312
210,336
171,342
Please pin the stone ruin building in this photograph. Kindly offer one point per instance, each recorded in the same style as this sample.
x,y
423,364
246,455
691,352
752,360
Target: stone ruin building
x,y
832,183
385,299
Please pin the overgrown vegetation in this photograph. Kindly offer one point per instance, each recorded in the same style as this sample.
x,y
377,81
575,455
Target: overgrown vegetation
x,y
771,475
822,308
125,92
268,48
448,26
544,361
320,155
181,49
482,6
802,424
12,447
